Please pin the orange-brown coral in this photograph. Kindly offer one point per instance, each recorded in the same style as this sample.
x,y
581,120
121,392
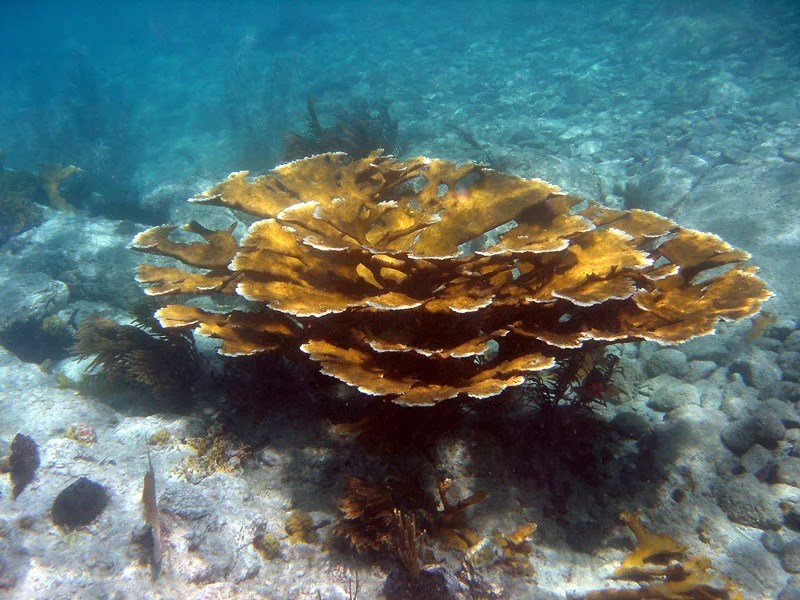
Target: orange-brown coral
x,y
664,571
51,176
381,272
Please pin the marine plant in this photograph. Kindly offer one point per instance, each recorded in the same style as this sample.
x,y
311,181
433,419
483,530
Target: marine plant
x,y
385,516
143,355
421,280
357,131
17,214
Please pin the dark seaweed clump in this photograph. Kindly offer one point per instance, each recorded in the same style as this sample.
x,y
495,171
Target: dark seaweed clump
x,y
21,463
358,130
143,356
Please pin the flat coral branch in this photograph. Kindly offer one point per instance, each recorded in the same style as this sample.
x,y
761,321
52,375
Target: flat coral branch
x,y
422,280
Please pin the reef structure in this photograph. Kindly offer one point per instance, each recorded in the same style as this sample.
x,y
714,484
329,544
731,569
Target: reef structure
x,y
421,280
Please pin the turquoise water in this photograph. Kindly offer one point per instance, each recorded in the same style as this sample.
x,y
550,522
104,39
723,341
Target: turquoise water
x,y
139,92
688,109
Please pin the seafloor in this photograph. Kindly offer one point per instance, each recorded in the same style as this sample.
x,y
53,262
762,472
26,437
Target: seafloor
x,y
687,109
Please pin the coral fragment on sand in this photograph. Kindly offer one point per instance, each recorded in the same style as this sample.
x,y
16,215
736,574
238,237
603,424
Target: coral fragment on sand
x,y
662,568
300,528
510,551
422,280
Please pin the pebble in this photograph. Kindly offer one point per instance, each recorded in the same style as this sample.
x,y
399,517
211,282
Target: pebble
x,y
669,397
789,471
758,369
792,341
773,542
747,501
791,590
756,459
762,428
630,424
790,557
699,369
668,361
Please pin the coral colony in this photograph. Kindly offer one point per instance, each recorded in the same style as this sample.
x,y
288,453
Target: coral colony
x,y
421,280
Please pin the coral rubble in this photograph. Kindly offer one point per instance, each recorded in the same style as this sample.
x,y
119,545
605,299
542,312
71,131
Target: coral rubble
x,y
422,280
663,569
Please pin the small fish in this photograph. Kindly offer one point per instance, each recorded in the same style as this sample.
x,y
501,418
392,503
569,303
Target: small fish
x,y
150,504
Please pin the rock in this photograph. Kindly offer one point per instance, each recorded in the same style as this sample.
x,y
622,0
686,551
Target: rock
x,y
757,459
88,255
737,437
772,541
738,400
767,343
79,503
669,397
758,369
630,424
767,428
791,590
747,501
792,341
436,583
789,471
762,428
667,361
790,557
789,362
699,369
711,347
790,392
782,328
28,298
785,412
183,501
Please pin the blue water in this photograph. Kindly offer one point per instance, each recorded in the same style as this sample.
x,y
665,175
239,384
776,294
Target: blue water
x,y
141,92
636,104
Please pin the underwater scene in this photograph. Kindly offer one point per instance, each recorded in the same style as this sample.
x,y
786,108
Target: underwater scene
x,y
406,300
